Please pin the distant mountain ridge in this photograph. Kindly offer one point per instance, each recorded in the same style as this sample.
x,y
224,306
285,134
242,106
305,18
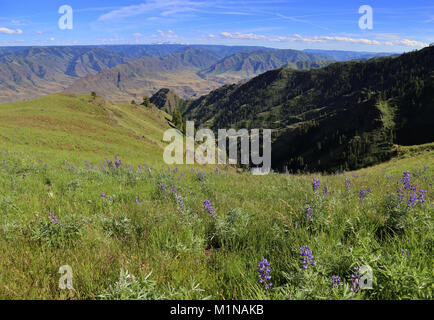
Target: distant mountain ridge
x,y
29,72
245,65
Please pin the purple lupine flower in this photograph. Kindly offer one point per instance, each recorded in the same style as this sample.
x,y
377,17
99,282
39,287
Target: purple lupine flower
x,y
4,163
408,253
87,164
216,170
173,189
412,200
53,218
413,188
406,179
306,256
336,281
4,153
368,189
347,184
103,195
355,287
309,210
149,170
200,175
362,194
138,202
180,201
425,168
208,207
421,196
325,190
315,184
400,196
118,162
264,273
163,189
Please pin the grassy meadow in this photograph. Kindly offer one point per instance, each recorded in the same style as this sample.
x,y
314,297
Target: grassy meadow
x,y
82,183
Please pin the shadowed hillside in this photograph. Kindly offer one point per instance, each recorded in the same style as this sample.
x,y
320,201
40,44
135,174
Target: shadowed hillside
x,y
346,115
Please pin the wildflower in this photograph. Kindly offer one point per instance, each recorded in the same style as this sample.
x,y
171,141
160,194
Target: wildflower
x,y
264,273
347,184
400,196
368,189
118,162
355,287
315,184
306,257
180,201
336,281
138,202
406,179
362,194
200,175
209,208
163,189
413,188
408,253
149,170
103,195
325,190
309,210
53,218
412,200
87,164
425,168
421,196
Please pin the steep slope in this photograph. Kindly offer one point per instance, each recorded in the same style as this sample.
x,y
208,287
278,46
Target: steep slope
x,y
42,70
246,65
167,100
80,127
346,115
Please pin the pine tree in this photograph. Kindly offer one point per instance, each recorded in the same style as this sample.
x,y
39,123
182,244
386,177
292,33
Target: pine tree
x,y
177,118
146,101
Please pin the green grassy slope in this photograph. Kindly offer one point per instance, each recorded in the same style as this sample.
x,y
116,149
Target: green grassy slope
x,y
139,226
77,127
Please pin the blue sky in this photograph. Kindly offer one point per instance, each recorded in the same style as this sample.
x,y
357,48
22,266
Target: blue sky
x,y
398,25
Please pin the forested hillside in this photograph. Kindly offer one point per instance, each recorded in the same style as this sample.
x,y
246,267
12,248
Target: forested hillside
x,y
346,115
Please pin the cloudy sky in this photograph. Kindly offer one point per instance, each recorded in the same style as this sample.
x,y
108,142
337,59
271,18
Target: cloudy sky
x,y
398,25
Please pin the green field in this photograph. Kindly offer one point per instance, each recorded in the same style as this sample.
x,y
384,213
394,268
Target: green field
x,y
128,237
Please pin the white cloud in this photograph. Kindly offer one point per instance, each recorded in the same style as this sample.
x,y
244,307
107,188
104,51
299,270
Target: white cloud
x,y
319,39
52,39
167,35
11,31
411,43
